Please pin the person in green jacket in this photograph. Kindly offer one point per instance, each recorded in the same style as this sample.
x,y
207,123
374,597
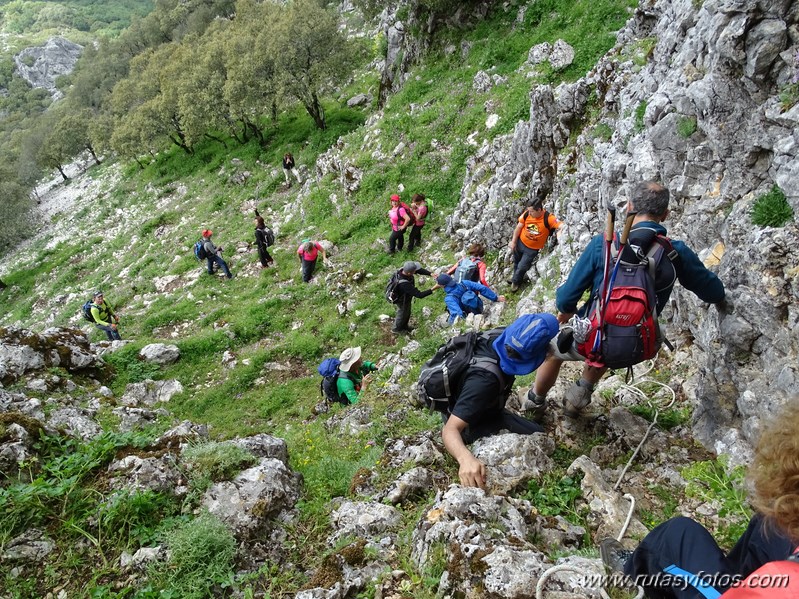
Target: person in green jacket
x,y
353,375
104,317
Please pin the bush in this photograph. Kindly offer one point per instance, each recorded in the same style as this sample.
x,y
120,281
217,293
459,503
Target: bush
x,y
772,209
686,126
217,461
201,555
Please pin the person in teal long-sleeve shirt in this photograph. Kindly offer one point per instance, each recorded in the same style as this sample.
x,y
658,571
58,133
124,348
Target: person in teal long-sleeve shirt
x,y
353,375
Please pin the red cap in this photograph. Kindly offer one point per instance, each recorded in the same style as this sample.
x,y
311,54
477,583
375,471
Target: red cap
x,y
395,197
207,233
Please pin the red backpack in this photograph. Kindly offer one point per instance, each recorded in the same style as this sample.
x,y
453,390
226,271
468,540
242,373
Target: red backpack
x,y
627,328
409,212
774,580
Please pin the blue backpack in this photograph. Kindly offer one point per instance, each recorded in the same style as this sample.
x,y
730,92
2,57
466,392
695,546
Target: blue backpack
x,y
467,270
199,250
329,369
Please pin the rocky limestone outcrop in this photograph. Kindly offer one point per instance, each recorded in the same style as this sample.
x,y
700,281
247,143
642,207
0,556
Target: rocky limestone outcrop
x,y
23,351
40,66
732,59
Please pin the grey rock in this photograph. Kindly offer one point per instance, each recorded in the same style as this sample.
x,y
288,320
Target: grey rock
x,y
764,42
76,422
562,55
351,421
131,419
414,483
31,546
149,392
482,82
557,532
160,353
264,446
367,520
425,449
359,100
134,473
40,66
257,495
539,53
141,558
184,432
513,460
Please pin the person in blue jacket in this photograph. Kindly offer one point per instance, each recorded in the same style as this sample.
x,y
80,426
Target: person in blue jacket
x,y
464,298
650,203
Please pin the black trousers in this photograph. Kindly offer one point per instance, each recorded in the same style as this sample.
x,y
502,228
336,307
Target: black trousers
x,y
403,315
682,547
308,266
415,237
396,240
503,420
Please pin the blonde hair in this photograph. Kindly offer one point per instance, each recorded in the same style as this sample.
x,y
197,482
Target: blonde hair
x,y
775,471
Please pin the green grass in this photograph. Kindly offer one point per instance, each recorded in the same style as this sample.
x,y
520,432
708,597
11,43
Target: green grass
x,y
772,209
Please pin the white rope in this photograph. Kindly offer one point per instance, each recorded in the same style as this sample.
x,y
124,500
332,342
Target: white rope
x,y
635,390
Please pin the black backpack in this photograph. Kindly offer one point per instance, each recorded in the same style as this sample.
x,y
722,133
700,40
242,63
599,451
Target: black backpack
x,y
86,311
442,375
392,292
269,236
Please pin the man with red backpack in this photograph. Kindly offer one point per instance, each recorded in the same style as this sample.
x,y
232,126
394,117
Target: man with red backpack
x,y
675,262
680,560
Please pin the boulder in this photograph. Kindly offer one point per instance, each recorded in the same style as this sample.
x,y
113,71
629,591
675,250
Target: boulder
x,y
149,392
513,460
160,353
257,495
135,473
417,482
40,66
364,519
31,546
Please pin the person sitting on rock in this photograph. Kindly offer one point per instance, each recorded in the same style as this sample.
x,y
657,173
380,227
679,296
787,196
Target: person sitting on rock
x,y
354,374
464,298
689,562
308,252
472,266
479,407
213,255
650,204
104,316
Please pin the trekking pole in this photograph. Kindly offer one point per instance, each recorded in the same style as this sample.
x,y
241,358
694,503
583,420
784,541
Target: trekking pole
x,y
628,223
610,231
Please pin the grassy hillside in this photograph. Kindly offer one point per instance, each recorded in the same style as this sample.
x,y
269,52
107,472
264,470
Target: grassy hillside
x,y
143,228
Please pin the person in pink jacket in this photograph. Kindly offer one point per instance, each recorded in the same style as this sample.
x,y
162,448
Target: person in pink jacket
x,y
419,209
308,252
400,218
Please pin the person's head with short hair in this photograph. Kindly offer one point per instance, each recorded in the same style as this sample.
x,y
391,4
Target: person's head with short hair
x,y
478,250
97,295
524,344
444,279
207,233
259,222
775,471
535,206
418,198
650,198
350,359
410,267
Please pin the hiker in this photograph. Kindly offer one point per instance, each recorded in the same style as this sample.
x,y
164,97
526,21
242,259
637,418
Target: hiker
x,y
472,266
307,252
683,549
212,255
354,374
288,167
262,235
649,204
104,317
534,228
406,291
479,407
464,298
419,208
400,218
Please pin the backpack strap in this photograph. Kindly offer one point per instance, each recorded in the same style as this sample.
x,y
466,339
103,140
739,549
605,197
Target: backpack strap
x,y
794,557
546,222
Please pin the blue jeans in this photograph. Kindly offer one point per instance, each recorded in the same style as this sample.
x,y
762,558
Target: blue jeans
x,y
219,262
113,334
523,260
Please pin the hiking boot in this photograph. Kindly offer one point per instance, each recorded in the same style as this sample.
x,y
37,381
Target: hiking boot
x,y
514,287
614,555
576,398
534,406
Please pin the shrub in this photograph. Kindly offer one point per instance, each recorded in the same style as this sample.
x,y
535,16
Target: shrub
x,y
217,461
772,209
686,126
640,111
201,555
